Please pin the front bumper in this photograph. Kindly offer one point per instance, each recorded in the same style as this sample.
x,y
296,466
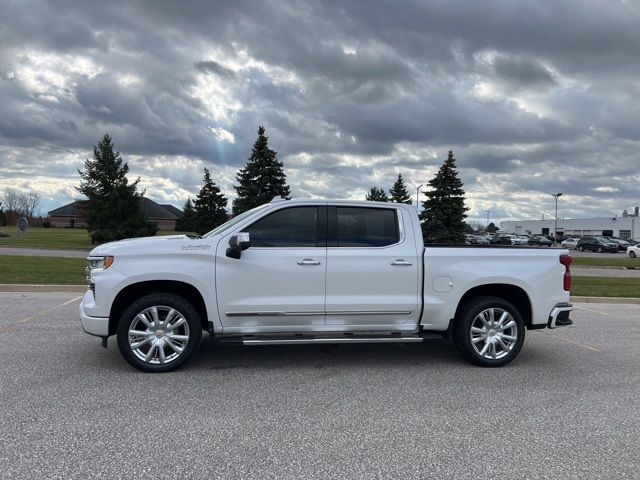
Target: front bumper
x,y
98,326
559,316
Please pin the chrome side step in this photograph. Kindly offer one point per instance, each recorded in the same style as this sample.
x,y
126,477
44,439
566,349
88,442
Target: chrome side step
x,y
293,341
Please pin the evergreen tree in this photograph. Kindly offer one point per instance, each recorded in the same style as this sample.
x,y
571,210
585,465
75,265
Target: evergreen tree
x,y
491,228
444,211
186,222
261,179
112,206
210,206
377,195
399,192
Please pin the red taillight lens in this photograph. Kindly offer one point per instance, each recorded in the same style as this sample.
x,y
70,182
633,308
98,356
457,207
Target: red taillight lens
x,y
566,261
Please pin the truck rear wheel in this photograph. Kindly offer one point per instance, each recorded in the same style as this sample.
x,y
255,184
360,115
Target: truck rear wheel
x,y
489,332
159,332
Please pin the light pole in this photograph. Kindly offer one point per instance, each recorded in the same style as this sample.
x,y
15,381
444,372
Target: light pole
x,y
418,197
555,228
487,219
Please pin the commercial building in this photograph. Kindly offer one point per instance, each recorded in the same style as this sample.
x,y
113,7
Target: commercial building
x,y
624,226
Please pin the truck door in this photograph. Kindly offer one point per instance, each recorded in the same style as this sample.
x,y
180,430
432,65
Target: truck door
x,y
372,269
280,280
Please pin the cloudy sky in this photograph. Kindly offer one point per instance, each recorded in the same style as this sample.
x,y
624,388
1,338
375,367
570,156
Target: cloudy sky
x,y
534,97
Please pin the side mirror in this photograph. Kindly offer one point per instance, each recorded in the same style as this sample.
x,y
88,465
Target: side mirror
x,y
237,243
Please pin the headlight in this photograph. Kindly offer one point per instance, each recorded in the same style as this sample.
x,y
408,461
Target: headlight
x,y
101,263
97,263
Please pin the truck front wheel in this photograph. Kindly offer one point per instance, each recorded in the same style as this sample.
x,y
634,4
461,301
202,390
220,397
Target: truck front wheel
x,y
159,332
489,332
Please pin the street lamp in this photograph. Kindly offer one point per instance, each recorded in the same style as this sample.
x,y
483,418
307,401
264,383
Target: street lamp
x,y
418,197
555,228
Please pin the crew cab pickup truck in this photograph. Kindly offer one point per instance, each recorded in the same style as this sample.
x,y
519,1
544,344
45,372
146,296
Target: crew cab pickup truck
x,y
320,271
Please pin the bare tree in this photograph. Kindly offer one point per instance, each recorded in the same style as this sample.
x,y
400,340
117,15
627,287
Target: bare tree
x,y
17,204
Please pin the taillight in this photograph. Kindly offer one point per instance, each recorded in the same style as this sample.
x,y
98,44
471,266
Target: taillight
x,y
566,261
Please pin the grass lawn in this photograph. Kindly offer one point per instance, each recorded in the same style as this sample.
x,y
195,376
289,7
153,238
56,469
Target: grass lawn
x,y
605,287
605,262
42,270
53,237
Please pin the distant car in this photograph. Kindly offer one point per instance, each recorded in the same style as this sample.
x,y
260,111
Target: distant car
x,y
570,243
596,244
479,240
501,240
633,250
622,244
519,240
540,240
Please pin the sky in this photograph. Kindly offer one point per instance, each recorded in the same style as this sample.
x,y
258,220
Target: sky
x,y
534,97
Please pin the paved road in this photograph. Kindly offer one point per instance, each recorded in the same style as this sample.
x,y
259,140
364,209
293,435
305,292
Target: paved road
x,y
567,408
43,252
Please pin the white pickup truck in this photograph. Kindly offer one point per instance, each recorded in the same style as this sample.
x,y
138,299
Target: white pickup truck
x,y
320,271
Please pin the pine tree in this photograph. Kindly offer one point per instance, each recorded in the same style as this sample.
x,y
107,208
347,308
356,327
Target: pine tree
x,y
210,206
261,179
443,210
112,205
399,192
377,194
186,222
491,228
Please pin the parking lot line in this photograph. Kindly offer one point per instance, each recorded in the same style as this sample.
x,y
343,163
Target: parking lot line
x,y
9,326
595,311
570,341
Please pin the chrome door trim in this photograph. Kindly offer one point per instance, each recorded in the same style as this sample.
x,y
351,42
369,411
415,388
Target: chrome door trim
x,y
369,312
272,314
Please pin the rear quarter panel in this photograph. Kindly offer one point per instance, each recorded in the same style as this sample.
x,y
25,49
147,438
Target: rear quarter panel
x,y
537,271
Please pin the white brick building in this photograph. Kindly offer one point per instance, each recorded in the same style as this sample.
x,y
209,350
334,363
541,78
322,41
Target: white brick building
x,y
609,226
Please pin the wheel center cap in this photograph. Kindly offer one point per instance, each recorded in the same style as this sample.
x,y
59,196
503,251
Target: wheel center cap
x,y
492,332
159,333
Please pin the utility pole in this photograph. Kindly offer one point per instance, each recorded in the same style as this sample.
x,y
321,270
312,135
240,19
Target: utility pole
x,y
418,197
487,219
555,228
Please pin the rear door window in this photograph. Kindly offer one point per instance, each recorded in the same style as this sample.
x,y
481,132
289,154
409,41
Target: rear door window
x,y
365,227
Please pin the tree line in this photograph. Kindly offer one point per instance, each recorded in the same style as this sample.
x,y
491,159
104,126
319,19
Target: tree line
x,y
15,204
111,204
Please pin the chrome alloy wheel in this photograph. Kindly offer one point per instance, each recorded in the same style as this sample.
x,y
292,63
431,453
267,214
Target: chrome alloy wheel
x,y
494,333
158,335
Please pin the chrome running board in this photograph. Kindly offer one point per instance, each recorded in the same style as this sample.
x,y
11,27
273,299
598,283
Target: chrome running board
x,y
293,341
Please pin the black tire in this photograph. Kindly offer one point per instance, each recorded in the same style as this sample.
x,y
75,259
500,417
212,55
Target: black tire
x,y
181,305
632,254
462,330
580,248
600,249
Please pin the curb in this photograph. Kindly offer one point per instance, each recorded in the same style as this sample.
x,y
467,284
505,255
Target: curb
x,y
15,287
627,300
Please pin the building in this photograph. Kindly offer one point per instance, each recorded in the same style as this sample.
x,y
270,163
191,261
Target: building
x,y
70,216
625,226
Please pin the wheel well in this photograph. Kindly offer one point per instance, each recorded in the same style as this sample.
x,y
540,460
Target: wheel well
x,y
132,292
511,293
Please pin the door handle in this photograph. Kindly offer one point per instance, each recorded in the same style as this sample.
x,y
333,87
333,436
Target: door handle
x,y
309,261
401,261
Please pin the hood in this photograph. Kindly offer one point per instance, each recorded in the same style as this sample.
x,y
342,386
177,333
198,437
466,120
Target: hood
x,y
142,244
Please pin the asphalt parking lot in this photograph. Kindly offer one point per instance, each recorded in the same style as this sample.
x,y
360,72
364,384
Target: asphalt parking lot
x,y
566,408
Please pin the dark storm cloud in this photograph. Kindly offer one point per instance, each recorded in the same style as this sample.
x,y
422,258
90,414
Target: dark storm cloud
x,y
532,96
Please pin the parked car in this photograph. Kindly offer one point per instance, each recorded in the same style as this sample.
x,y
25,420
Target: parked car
x,y
570,243
500,240
479,240
633,250
309,271
596,244
622,244
540,240
519,240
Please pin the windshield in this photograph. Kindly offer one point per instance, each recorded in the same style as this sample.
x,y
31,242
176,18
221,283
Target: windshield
x,y
238,218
